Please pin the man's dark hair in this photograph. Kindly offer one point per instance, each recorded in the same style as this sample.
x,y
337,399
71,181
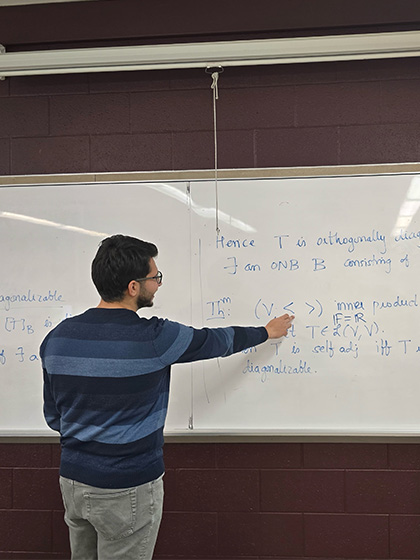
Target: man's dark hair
x,y
119,260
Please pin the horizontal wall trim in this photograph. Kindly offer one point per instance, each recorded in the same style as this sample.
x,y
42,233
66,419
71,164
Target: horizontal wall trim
x,y
294,50
238,438
206,174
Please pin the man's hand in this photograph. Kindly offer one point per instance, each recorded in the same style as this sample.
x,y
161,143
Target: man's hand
x,y
279,326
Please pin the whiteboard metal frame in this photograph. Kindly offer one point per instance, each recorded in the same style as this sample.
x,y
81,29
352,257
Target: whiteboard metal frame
x,y
205,174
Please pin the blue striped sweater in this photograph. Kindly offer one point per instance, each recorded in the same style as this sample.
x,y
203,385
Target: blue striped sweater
x,y
106,389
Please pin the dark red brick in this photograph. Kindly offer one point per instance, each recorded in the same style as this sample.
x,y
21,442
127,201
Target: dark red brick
x,y
218,490
345,455
188,534
23,116
346,536
36,488
235,149
49,85
34,556
383,491
172,111
311,73
4,156
50,155
251,108
4,87
400,101
60,538
359,103
89,114
385,143
26,530
281,534
139,152
259,455
302,491
170,502
5,488
405,536
25,455
278,75
317,105
332,104
290,147
380,69
190,455
266,534
206,557
195,150
404,456
132,81
55,455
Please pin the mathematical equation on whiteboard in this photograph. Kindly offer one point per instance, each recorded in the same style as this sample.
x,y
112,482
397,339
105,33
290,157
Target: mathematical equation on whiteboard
x,y
25,319
327,329
349,329
375,245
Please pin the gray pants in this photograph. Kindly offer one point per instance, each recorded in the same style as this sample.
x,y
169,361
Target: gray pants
x,y
106,524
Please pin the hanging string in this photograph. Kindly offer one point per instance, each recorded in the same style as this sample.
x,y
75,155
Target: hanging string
x,y
214,86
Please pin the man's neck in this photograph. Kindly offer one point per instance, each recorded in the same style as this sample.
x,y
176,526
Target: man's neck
x,y
123,304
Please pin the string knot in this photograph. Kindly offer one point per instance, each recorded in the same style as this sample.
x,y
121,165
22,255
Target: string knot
x,y
214,86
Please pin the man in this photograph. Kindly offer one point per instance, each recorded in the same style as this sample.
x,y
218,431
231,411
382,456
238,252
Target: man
x,y
106,387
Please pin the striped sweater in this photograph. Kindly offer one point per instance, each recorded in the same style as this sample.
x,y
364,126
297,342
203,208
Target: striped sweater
x,y
106,389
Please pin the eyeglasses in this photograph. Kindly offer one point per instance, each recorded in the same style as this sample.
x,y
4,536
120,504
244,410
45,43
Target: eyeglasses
x,y
158,278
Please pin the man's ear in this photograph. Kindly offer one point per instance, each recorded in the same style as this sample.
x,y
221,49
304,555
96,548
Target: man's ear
x,y
132,288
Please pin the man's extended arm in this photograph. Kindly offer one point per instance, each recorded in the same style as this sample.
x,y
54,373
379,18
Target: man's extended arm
x,y
211,343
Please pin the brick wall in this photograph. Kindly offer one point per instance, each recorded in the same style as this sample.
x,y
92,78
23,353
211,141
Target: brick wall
x,y
291,501
276,116
277,500
240,501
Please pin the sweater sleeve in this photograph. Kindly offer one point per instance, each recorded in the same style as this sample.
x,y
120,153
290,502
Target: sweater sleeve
x,y
213,343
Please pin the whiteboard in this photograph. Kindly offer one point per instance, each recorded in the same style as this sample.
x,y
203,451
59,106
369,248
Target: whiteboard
x,y
49,236
341,253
